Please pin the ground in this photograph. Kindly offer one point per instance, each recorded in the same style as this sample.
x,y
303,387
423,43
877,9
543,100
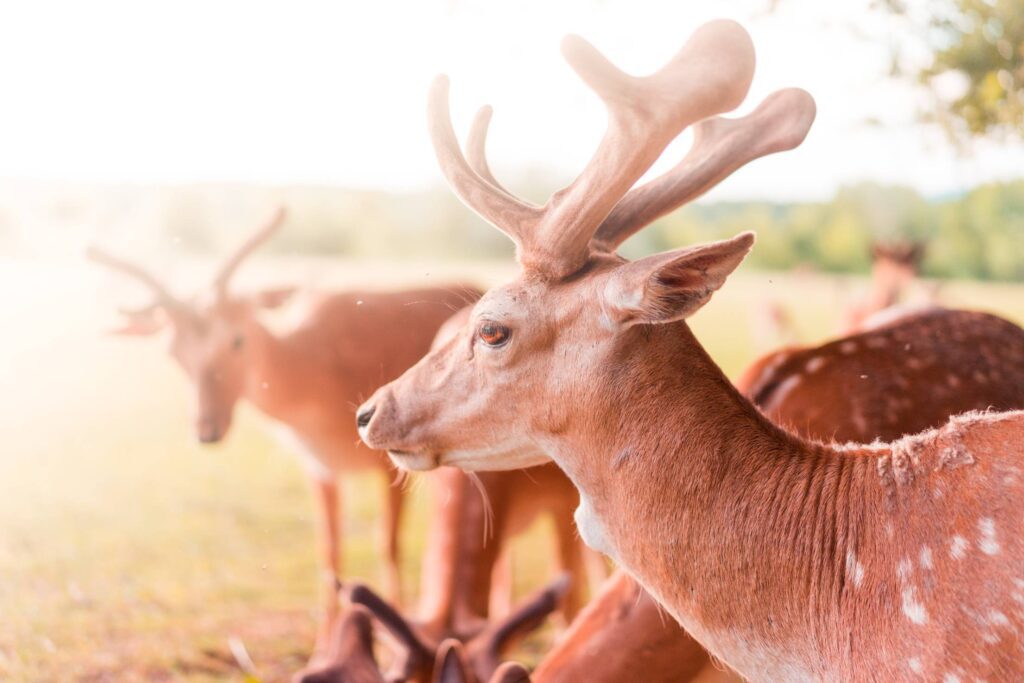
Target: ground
x,y
130,553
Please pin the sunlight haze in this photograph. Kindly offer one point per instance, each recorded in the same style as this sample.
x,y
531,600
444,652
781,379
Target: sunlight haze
x,y
334,92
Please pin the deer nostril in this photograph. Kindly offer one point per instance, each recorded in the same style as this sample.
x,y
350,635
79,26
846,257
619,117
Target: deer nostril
x,y
364,416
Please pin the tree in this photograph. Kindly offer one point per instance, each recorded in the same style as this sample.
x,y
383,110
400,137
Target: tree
x,y
976,73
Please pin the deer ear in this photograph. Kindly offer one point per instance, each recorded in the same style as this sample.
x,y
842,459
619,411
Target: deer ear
x,y
667,287
143,323
274,298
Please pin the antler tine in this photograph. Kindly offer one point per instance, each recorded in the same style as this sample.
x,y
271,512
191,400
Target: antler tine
x,y
528,615
163,295
388,616
709,75
220,283
476,148
511,672
721,146
505,212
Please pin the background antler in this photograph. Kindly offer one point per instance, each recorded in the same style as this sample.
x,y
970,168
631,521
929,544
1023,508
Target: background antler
x,y
710,75
720,146
483,651
163,295
223,278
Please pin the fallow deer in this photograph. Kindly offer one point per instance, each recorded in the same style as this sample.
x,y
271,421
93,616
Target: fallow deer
x,y
894,267
787,559
902,378
305,381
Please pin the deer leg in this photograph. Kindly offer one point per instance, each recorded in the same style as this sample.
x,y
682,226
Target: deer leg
x,y
328,536
389,543
500,600
596,566
570,559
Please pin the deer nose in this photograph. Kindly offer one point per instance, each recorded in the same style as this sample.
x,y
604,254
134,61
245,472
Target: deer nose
x,y
364,415
209,432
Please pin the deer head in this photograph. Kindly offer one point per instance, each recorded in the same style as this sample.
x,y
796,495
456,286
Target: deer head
x,y
895,264
496,394
209,335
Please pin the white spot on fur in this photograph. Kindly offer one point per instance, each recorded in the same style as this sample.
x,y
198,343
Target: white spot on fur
x,y
988,543
854,569
783,390
997,618
950,678
915,665
926,557
912,607
958,547
904,569
815,364
848,347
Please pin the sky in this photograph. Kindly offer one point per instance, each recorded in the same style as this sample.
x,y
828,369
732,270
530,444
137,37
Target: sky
x,y
334,93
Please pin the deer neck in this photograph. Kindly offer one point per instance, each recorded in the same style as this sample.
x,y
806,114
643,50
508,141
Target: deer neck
x,y
742,531
886,288
276,373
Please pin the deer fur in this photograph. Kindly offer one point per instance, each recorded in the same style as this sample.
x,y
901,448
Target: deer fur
x,y
629,631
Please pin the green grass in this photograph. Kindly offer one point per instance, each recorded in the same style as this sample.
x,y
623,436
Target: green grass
x,y
129,553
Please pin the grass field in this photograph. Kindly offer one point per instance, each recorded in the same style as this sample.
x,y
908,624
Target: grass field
x,y
129,553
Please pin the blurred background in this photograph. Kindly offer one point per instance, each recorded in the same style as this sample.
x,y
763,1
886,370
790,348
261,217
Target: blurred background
x,y
166,132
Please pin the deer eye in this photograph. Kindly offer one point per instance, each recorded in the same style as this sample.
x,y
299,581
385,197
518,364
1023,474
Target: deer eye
x,y
493,334
238,342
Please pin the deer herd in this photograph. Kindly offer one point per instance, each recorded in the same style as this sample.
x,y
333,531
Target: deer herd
x,y
851,511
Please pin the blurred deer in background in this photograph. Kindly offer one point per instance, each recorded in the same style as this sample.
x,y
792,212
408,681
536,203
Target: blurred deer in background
x,y
787,559
305,381
894,268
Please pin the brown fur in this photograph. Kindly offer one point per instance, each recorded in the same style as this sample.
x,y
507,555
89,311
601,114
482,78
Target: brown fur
x,y
894,380
782,514
629,630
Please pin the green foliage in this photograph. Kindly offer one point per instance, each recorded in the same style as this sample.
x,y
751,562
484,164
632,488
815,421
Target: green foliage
x,y
979,234
979,42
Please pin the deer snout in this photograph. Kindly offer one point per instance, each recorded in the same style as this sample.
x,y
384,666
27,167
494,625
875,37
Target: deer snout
x,y
210,429
367,417
382,427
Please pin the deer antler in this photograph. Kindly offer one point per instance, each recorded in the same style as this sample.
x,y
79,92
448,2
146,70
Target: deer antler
x,y
220,282
710,75
486,647
163,295
476,147
720,146
483,650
